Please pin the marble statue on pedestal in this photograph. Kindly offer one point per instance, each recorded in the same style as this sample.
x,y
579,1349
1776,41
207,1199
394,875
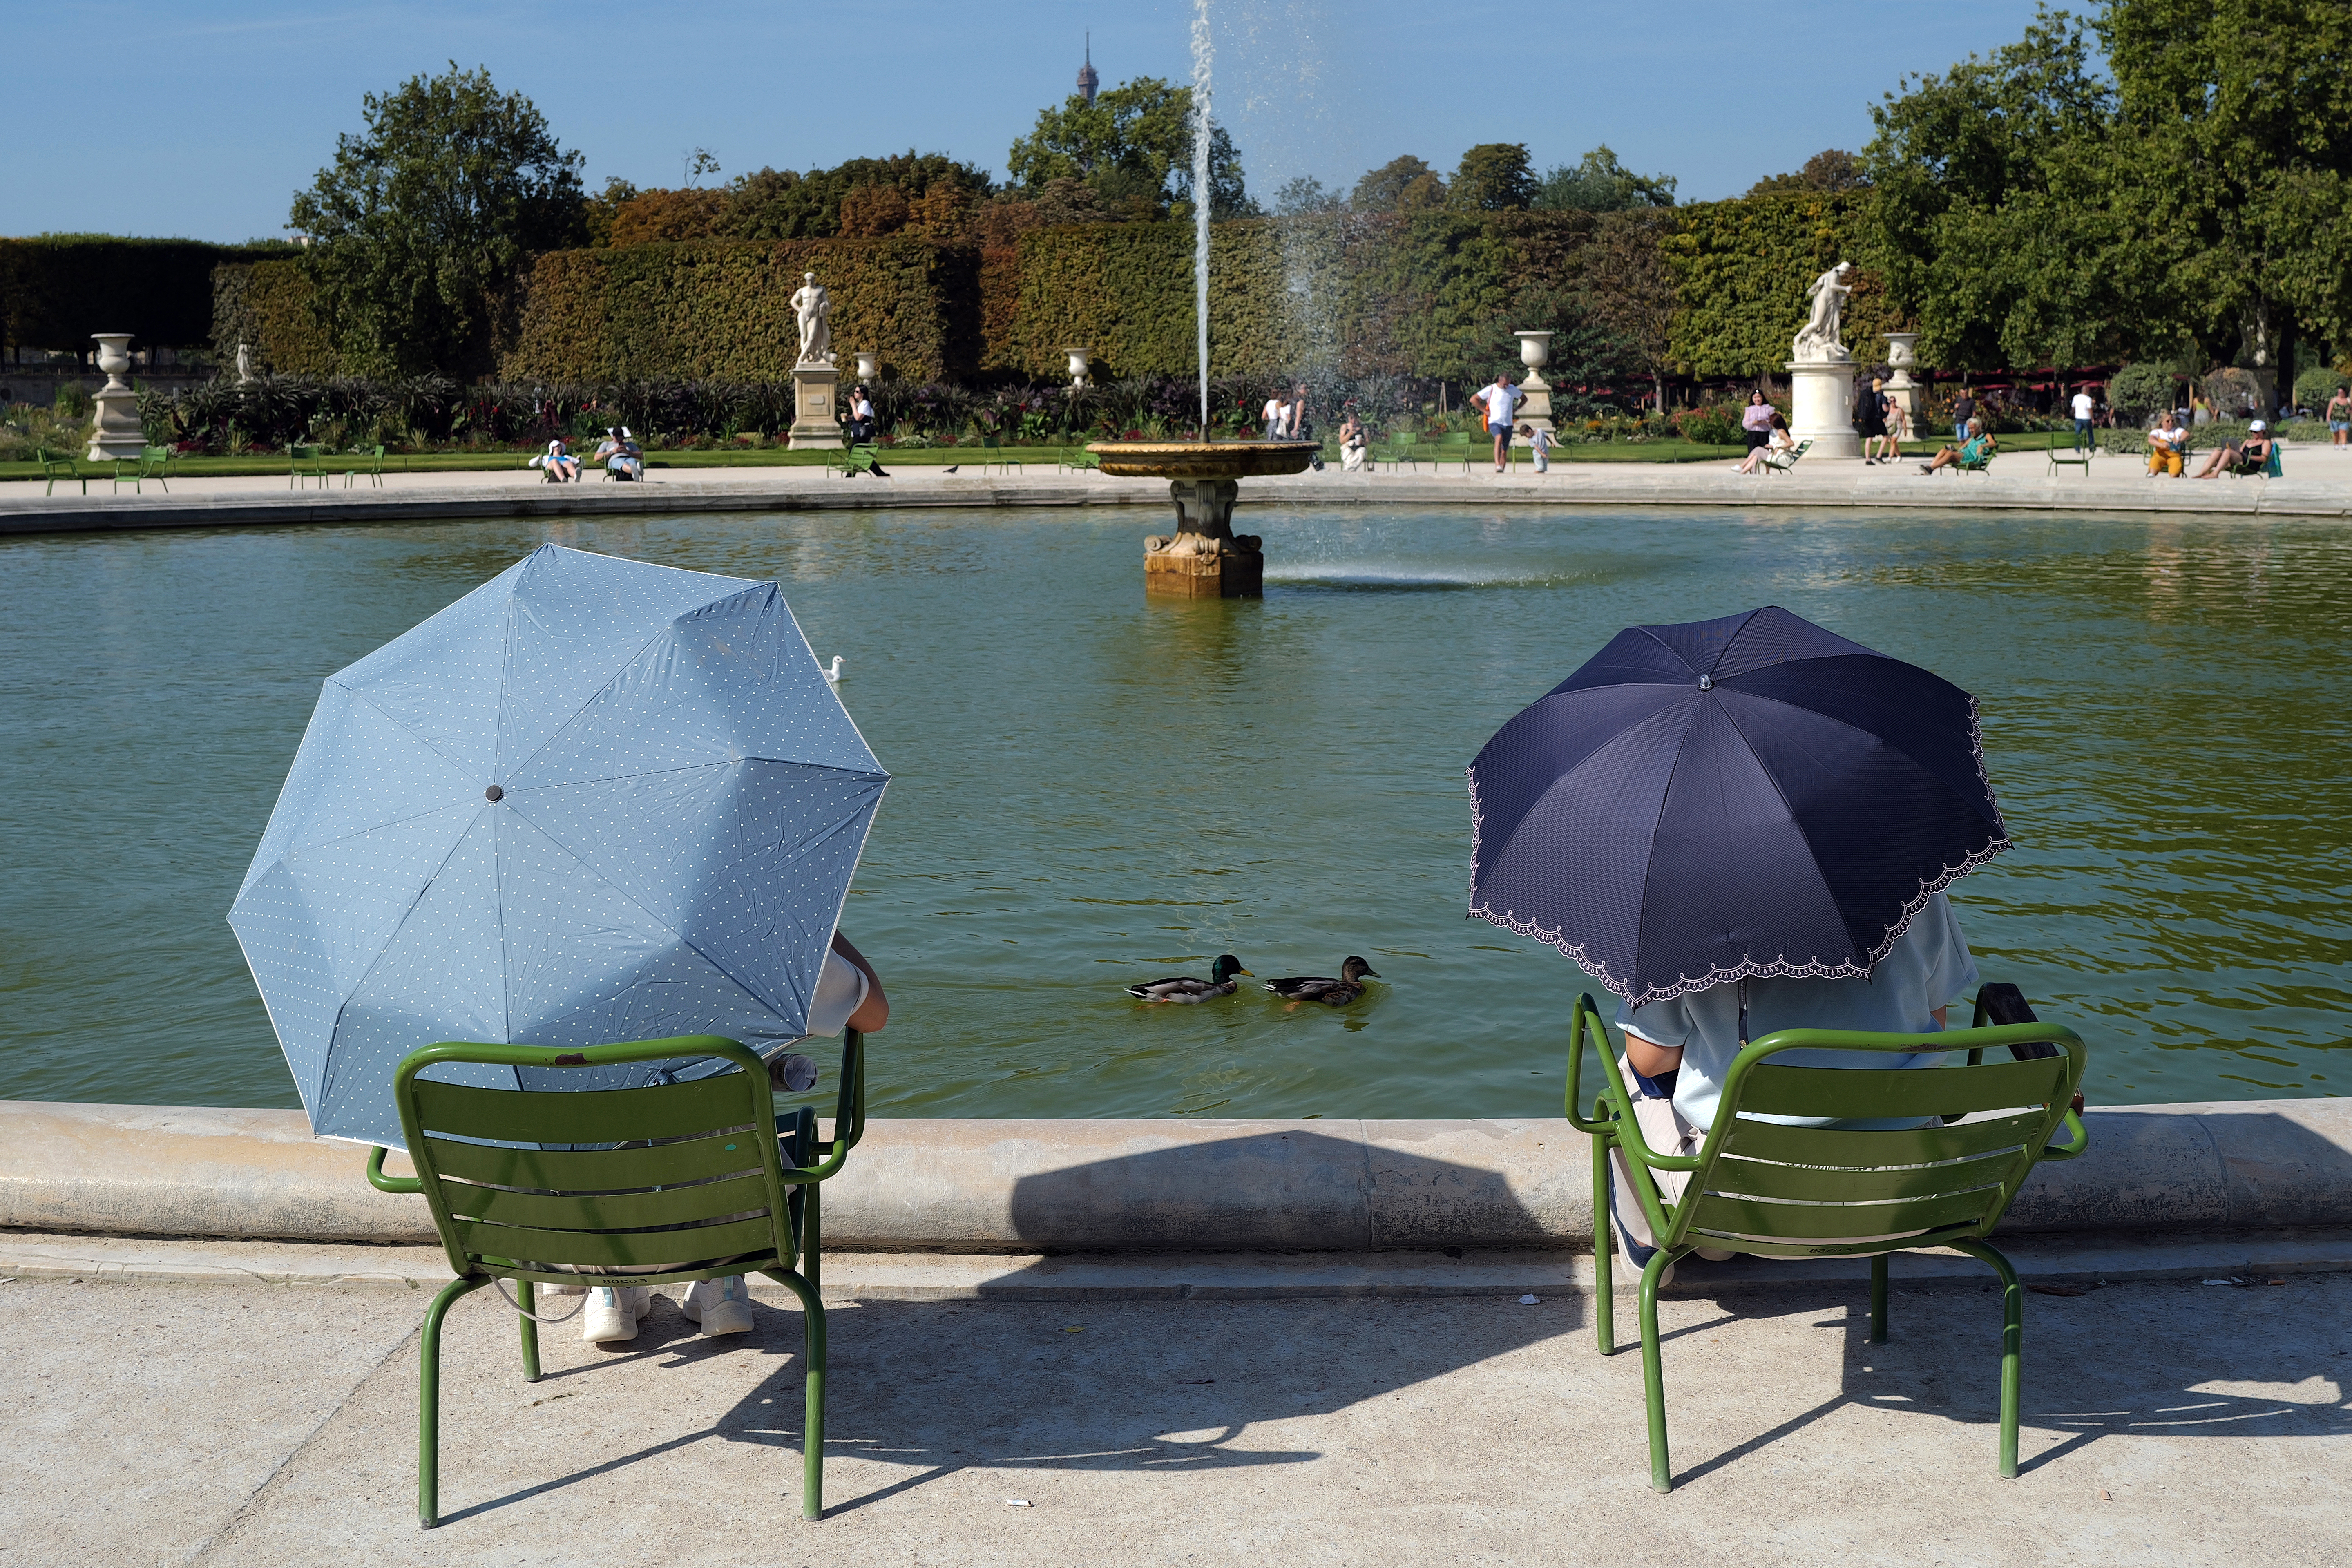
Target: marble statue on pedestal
x,y
1819,339
813,309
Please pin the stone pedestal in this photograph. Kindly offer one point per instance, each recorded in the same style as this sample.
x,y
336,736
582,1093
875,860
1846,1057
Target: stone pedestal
x,y
114,423
1204,559
816,390
1820,408
1535,351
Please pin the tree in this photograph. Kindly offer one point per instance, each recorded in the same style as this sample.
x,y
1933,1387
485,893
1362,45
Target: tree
x,y
1133,147
1383,189
1303,195
779,204
2000,210
1631,289
1494,176
1830,170
423,221
2245,106
1599,183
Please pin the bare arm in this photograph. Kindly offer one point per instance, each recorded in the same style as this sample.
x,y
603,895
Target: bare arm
x,y
875,1011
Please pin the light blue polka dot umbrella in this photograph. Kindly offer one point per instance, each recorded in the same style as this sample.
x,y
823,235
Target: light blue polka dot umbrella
x,y
593,800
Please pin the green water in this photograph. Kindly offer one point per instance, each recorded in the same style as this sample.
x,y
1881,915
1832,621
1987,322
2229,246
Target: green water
x,y
1093,789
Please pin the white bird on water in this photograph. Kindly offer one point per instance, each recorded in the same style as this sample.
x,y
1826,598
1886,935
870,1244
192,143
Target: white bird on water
x,y
832,676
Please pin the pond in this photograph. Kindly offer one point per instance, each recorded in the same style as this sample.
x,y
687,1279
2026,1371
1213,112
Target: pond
x,y
1092,789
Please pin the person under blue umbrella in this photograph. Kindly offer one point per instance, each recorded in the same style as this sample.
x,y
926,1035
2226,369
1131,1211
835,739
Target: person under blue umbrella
x,y
1738,825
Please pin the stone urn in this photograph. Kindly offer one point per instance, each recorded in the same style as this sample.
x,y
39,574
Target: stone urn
x,y
869,366
1902,353
1081,365
1535,352
114,421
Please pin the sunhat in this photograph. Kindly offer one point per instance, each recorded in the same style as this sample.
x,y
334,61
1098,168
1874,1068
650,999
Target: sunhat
x,y
2258,425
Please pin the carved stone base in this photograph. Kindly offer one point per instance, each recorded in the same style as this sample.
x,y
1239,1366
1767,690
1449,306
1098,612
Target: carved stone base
x,y
1228,574
815,426
114,428
1820,408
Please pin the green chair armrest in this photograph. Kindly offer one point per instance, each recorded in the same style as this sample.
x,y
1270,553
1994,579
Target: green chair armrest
x,y
384,1183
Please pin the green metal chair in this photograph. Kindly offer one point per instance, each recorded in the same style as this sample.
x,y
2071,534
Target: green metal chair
x,y
992,451
861,460
2077,457
680,1182
1404,450
305,463
156,463
1780,1191
1781,462
366,461
56,465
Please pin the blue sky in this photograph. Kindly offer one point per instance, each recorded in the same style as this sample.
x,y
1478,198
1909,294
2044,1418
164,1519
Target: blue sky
x,y
179,119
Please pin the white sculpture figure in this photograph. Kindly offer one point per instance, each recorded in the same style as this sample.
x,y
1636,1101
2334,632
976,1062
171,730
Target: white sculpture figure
x,y
244,362
813,309
1820,339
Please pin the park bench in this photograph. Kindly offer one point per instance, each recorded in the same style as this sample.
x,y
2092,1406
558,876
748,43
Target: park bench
x,y
1851,1188
666,1184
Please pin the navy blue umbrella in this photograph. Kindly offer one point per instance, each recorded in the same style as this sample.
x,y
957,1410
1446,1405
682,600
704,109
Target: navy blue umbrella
x,y
1753,795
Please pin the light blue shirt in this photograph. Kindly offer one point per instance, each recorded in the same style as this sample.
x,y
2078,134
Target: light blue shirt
x,y
1928,967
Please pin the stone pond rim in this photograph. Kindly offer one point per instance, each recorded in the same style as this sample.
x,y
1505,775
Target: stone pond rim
x,y
1203,559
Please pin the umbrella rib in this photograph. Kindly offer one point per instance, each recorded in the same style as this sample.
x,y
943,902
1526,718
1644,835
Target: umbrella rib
x,y
1976,740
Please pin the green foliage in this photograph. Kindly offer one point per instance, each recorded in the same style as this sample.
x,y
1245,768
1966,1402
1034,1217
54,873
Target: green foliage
x,y
1718,426
1133,147
1828,171
718,309
1494,176
2140,391
56,289
1741,268
424,222
1599,184
781,205
2314,386
1401,184
271,308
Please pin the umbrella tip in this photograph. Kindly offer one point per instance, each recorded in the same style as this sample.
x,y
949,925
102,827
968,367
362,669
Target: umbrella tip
x,y
494,794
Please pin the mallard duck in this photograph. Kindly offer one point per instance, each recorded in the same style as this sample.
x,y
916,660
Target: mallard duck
x,y
1323,988
1184,988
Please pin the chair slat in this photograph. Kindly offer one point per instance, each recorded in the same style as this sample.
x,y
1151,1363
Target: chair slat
x,y
1836,1249
606,1249
1837,1147
1746,1216
1859,1092
591,1116
616,1211
1763,1179
597,1169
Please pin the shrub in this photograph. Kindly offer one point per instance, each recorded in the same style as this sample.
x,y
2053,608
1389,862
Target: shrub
x,y
2314,386
2140,392
1716,426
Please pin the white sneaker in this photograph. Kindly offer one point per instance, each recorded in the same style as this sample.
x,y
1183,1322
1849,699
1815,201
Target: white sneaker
x,y
612,1313
720,1306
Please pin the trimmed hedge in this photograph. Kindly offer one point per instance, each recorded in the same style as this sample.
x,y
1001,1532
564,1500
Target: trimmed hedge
x,y
719,309
1741,268
1000,307
270,306
56,289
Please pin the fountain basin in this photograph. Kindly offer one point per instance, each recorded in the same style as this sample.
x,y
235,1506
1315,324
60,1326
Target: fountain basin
x,y
1203,459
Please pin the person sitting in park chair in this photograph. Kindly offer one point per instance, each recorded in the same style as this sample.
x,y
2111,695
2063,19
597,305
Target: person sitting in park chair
x,y
1971,453
1777,441
2250,455
557,463
2167,446
1678,1051
620,455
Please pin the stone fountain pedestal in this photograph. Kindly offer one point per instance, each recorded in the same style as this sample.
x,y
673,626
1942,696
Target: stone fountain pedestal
x,y
1205,558
816,425
1820,405
114,428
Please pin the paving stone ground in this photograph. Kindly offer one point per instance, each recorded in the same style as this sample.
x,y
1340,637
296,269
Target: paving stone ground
x,y
2171,1423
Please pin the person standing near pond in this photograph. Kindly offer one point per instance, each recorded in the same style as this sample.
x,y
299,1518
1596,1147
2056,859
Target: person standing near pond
x,y
2339,414
1964,408
1501,401
1869,419
2086,408
1756,422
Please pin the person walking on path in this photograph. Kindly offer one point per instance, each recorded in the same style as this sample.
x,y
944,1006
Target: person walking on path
x,y
1273,416
1756,422
1898,427
2339,414
2085,409
1964,408
1870,418
1501,401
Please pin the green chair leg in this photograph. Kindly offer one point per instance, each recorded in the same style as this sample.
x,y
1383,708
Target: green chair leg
x,y
813,1410
1654,1379
428,1402
1878,1299
1604,1252
2012,1348
529,1331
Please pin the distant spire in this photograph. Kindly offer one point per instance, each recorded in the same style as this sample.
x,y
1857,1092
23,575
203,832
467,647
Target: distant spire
x,y
1087,81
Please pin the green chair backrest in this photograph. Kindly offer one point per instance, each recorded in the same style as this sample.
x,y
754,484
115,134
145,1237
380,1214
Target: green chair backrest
x,y
1779,1190
679,1180
304,454
46,458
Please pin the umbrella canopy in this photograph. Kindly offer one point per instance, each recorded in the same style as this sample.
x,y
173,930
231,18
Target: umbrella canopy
x,y
1753,795
593,800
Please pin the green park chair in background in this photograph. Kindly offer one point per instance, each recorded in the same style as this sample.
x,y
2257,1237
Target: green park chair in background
x,y
157,463
680,1181
1780,1190
1982,462
861,460
1454,447
56,465
1080,461
991,450
305,463
367,461
2076,458
1404,451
